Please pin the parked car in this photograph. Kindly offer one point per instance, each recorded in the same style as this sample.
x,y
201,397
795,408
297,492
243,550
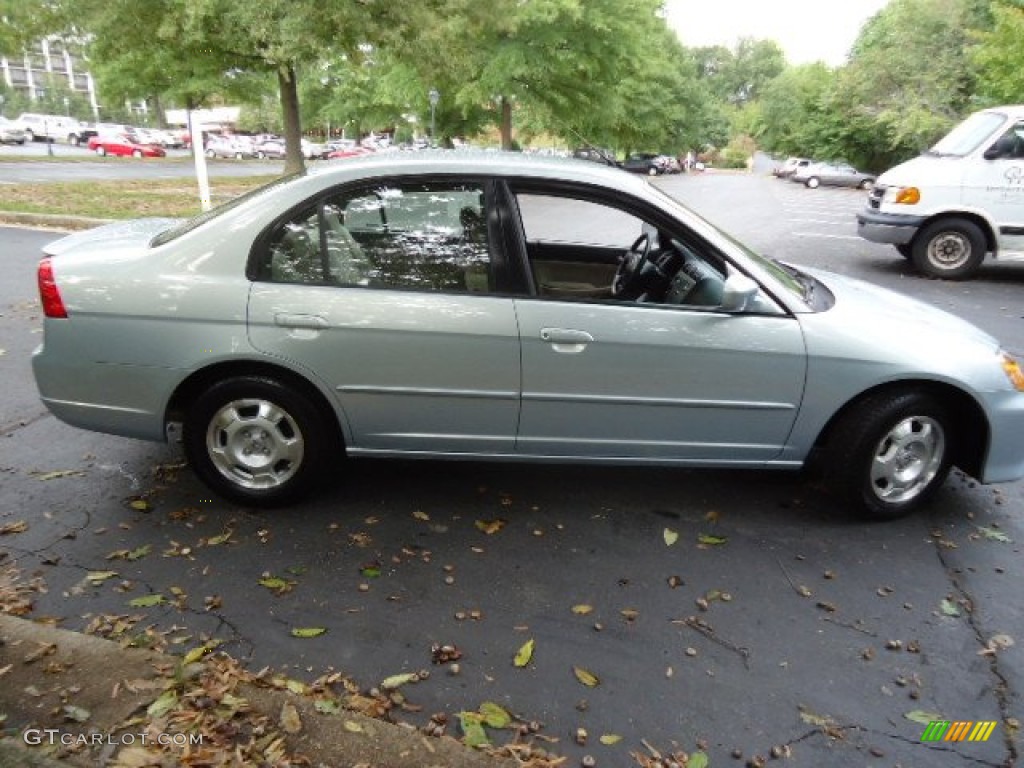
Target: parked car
x,y
790,166
124,145
11,132
596,155
54,128
313,150
271,148
492,305
349,151
644,162
834,175
237,147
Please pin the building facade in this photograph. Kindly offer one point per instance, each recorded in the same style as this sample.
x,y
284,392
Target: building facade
x,y
49,63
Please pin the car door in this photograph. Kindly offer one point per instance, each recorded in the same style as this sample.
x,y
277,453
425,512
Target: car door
x,y
650,380
385,292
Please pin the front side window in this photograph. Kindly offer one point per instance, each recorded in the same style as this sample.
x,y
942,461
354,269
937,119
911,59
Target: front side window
x,y
409,236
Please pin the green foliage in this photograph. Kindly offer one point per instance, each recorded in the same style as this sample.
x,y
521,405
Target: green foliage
x,y
997,56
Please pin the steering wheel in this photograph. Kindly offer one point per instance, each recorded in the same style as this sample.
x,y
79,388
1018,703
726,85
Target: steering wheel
x,y
627,282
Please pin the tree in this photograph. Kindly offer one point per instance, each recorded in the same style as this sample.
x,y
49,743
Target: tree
x,y
996,58
793,110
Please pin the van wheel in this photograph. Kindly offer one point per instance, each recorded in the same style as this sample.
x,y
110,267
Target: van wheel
x,y
867,184
812,182
890,453
906,251
950,249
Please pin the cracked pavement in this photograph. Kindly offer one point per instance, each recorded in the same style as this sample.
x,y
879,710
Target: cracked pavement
x,y
792,627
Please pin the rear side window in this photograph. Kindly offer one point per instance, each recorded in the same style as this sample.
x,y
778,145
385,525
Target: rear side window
x,y
419,236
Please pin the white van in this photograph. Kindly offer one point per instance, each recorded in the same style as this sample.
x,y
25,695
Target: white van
x,y
961,199
54,128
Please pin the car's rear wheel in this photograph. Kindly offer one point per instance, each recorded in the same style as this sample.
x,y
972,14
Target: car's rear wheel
x,y
256,441
889,454
952,249
101,151
261,155
137,153
211,153
906,251
29,135
652,171
813,182
867,184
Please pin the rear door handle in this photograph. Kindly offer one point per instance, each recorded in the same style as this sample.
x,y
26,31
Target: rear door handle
x,y
309,322
565,340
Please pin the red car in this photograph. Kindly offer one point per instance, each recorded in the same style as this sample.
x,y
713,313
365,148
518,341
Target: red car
x,y
123,145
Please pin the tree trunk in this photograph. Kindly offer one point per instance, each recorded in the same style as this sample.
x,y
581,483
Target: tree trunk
x,y
286,83
506,123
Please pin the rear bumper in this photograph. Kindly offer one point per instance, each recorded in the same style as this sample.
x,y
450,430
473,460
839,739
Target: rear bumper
x,y
890,228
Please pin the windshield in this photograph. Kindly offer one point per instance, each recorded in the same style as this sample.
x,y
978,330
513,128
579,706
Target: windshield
x,y
966,137
189,224
791,279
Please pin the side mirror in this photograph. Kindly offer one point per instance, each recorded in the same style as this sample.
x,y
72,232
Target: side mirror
x,y
1005,146
737,293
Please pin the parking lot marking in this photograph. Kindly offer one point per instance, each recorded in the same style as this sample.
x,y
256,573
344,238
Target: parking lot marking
x,y
831,237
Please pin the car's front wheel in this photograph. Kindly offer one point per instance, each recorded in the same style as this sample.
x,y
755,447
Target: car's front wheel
x,y
256,441
101,151
137,153
813,182
890,453
952,249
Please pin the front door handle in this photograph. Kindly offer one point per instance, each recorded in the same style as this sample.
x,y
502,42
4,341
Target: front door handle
x,y
565,340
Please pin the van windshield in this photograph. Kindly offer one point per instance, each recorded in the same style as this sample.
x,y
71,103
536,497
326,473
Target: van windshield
x,y
966,137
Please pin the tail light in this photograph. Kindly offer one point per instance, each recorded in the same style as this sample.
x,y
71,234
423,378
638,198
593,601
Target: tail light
x,y
49,295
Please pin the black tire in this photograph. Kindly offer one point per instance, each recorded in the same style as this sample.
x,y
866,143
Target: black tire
x,y
906,251
890,453
29,135
652,171
812,182
949,249
866,184
256,441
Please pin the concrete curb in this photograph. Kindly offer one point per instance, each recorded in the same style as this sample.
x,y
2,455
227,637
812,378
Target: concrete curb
x,y
79,685
50,221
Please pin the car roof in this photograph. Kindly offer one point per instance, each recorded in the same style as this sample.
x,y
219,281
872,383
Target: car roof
x,y
492,163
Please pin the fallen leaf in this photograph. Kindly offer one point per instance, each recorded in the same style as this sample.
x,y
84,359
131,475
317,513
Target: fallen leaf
x,y
922,717
164,704
524,654
494,715
490,526
370,570
712,516
328,707
670,536
197,653
397,681
949,608
582,609
697,760
352,726
421,515
711,541
18,527
217,540
612,738
308,631
586,677
290,720
57,473
276,584
74,714
98,577
811,718
993,535
147,601
473,731
139,504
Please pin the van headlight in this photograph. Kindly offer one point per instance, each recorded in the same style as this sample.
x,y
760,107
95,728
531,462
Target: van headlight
x,y
903,195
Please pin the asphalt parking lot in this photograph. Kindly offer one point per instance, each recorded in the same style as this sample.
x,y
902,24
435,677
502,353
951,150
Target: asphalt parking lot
x,y
733,612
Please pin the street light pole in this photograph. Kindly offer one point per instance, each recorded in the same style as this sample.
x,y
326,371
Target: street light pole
x,y
434,97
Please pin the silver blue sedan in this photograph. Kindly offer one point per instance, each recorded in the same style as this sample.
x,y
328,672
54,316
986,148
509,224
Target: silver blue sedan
x,y
463,306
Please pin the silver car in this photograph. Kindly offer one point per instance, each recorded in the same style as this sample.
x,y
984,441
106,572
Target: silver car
x,y
833,175
466,306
